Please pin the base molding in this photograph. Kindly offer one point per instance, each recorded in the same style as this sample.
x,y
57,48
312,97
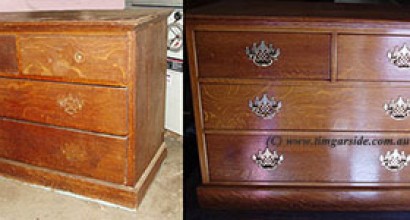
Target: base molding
x,y
305,198
129,197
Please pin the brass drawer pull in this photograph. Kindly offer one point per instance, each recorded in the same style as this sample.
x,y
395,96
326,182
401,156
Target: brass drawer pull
x,y
394,161
400,56
265,108
398,110
71,104
79,57
262,55
267,160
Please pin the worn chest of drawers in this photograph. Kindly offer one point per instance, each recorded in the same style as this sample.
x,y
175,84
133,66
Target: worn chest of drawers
x,y
82,100
301,106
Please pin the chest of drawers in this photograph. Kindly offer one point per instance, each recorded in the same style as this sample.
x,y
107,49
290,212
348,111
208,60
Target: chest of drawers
x,y
301,106
82,100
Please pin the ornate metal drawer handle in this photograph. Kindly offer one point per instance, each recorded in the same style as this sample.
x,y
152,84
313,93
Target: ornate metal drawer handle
x,y
394,161
262,55
398,110
400,56
265,108
267,160
71,105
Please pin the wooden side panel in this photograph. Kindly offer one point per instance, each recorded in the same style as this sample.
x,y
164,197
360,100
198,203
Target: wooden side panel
x,y
303,107
365,58
149,97
8,54
101,157
302,56
95,59
91,108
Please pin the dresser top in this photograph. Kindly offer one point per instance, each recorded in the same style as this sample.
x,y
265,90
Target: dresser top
x,y
125,19
300,11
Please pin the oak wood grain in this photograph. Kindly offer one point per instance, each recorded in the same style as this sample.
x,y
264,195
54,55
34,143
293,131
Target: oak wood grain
x,y
8,54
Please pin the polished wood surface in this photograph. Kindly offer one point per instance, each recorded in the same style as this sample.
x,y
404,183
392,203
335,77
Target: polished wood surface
x,y
98,109
92,84
86,154
8,54
345,96
73,58
364,58
303,108
302,56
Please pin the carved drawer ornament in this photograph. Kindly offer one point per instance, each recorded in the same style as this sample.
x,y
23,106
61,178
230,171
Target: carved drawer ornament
x,y
71,104
398,110
265,108
267,159
400,56
394,161
262,55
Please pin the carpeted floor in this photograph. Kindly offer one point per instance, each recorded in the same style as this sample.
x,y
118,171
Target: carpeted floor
x,y
20,201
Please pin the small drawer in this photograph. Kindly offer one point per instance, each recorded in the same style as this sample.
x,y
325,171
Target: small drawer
x,y
252,107
94,108
248,54
373,58
8,54
95,59
86,154
245,158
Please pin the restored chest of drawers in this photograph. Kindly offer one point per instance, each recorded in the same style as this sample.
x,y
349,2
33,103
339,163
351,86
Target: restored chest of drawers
x,y
82,100
301,106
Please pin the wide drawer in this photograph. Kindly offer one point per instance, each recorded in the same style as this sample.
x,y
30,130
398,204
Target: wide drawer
x,y
305,107
300,56
373,58
8,54
86,154
244,158
96,59
94,108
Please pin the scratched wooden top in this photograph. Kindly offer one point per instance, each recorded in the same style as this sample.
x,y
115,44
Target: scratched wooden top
x,y
128,18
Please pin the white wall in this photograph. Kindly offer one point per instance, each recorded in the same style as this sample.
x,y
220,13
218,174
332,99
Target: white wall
x,y
36,5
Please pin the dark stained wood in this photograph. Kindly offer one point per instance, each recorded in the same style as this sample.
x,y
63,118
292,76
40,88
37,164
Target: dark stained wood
x,y
73,58
102,109
307,158
86,154
8,54
303,108
302,56
305,198
364,58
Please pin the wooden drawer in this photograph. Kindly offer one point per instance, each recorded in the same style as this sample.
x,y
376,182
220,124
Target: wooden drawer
x,y
8,54
302,107
302,56
365,58
86,154
94,108
99,59
230,159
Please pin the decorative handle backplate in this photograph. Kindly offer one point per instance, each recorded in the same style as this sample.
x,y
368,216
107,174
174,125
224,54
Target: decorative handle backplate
x,y
267,160
262,55
398,109
400,56
265,108
71,104
394,161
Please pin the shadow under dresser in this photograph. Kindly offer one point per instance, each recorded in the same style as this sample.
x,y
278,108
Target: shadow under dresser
x,y
301,106
82,99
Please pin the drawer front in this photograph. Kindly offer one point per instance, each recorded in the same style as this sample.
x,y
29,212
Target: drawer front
x,y
239,158
101,157
100,59
366,58
298,56
8,54
305,107
100,109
